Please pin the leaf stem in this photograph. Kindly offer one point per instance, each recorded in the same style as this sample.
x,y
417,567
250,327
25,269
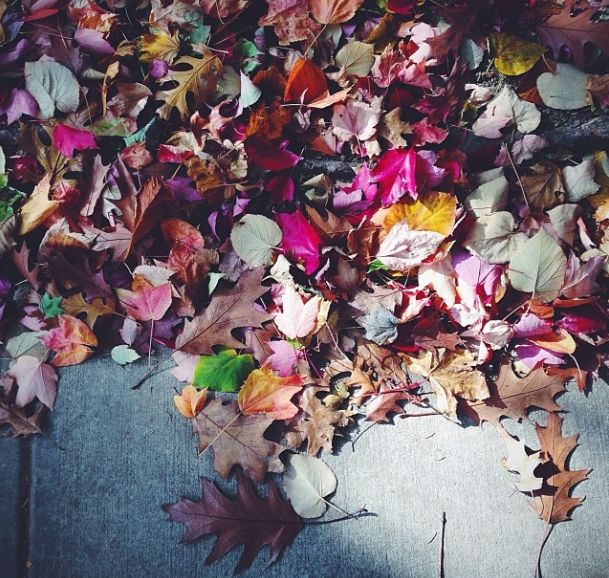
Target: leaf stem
x,y
356,514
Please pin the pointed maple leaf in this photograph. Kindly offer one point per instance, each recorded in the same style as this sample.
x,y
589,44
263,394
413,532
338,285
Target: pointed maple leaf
x,y
463,19
145,302
512,396
555,505
191,401
237,439
298,319
264,392
35,380
386,402
73,341
246,520
318,426
228,310
574,29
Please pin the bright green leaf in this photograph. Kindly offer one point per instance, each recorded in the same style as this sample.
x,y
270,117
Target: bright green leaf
x,y
51,306
226,371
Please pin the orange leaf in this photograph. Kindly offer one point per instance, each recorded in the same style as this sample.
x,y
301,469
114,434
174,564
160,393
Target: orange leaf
x,y
334,11
306,82
191,402
264,392
72,340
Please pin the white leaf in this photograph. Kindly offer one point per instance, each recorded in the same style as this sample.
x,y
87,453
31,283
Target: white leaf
x,y
492,238
380,325
356,57
538,267
579,181
488,198
254,237
2,162
123,354
519,461
506,104
565,89
250,93
53,86
307,481
298,319
403,249
440,277
355,120
564,220
525,148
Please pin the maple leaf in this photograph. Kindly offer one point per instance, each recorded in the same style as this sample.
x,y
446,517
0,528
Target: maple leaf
x,y
73,341
237,439
229,309
246,520
264,392
145,301
463,19
223,372
191,401
574,27
512,396
298,319
35,380
384,403
195,76
555,505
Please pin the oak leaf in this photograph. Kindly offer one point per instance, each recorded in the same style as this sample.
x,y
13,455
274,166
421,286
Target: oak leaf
x,y
555,506
229,309
195,76
264,392
75,305
19,422
513,396
237,439
524,462
246,520
73,341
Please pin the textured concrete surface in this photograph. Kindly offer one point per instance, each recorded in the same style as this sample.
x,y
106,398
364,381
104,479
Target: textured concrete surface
x,y
94,506
10,505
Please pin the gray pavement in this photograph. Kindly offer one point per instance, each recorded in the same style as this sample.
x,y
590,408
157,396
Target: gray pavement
x,y
95,506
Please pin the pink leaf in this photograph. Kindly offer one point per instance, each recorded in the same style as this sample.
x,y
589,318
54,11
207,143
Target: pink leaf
x,y
146,302
298,319
530,325
300,239
34,379
580,280
283,358
479,275
67,139
395,175
93,41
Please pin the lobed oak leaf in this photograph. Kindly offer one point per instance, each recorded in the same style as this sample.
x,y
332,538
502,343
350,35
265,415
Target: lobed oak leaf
x,y
73,341
229,309
237,439
35,380
385,402
512,396
290,20
246,520
520,460
264,392
19,422
555,505
197,77
76,305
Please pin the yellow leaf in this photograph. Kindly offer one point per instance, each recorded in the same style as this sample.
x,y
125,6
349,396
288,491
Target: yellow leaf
x,y
38,208
431,211
195,76
76,305
513,55
159,47
3,8
264,392
559,341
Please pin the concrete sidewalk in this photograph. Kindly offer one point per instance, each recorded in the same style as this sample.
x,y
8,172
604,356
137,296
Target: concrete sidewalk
x,y
93,508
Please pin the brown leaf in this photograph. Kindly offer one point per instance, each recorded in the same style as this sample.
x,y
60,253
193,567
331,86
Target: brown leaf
x,y
246,520
334,11
555,506
237,439
544,188
20,423
7,234
512,396
76,305
228,310
318,427
38,207
463,19
290,20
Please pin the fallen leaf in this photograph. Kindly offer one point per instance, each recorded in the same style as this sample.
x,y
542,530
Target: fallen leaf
x,y
334,11
246,520
73,341
264,392
513,55
564,89
298,319
145,301
523,462
53,86
226,371
255,238
191,401
35,380
307,481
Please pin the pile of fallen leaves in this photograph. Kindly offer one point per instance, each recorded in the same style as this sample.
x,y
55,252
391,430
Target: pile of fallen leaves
x,y
164,180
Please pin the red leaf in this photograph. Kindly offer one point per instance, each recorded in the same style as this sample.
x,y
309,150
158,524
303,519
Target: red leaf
x,y
306,82
145,302
246,520
72,340
67,139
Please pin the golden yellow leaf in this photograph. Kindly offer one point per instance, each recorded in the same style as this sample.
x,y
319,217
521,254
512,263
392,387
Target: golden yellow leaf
x,y
76,305
195,76
431,211
513,55
560,341
191,401
600,202
159,47
3,8
38,208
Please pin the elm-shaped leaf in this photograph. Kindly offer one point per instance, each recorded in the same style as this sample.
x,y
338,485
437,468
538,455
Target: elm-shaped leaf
x,y
53,86
254,239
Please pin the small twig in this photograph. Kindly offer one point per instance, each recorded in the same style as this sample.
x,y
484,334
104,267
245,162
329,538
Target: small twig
x,y
441,554
356,514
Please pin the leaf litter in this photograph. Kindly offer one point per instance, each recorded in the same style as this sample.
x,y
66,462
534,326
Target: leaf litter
x,y
152,195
